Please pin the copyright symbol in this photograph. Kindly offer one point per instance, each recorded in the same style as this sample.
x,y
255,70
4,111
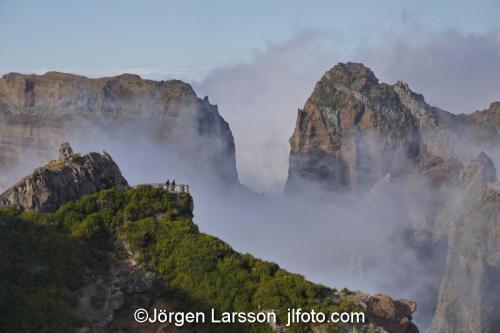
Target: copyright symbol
x,y
141,315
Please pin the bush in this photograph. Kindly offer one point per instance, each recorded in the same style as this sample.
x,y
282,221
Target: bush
x,y
43,256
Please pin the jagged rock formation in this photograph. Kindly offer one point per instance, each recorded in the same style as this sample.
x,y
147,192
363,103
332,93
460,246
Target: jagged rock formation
x,y
358,135
67,178
39,111
392,315
354,130
351,132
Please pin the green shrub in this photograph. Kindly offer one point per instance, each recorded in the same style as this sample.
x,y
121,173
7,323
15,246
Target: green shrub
x,y
43,256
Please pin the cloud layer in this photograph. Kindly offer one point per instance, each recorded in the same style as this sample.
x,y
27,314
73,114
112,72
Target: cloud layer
x,y
259,98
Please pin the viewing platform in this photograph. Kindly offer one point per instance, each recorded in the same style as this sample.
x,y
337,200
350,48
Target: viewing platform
x,y
177,188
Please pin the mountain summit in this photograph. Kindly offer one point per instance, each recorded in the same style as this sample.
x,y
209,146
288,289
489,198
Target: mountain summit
x,y
354,130
381,141
68,178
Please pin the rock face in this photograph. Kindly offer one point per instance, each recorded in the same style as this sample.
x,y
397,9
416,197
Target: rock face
x,y
351,132
39,111
67,178
354,130
106,299
355,134
468,299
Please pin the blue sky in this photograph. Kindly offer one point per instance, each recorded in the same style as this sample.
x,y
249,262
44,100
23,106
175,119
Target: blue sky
x,y
101,36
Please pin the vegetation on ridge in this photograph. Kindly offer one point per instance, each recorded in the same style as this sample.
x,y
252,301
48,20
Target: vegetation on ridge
x,y
44,255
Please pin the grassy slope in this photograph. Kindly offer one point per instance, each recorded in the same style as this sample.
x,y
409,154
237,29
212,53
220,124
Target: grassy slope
x,y
43,256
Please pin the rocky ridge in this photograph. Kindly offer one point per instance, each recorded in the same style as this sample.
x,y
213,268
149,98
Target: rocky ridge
x,y
107,300
468,298
351,131
68,178
354,130
358,135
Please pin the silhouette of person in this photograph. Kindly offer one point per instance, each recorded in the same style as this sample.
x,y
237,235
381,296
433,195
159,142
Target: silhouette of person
x,y
173,185
168,184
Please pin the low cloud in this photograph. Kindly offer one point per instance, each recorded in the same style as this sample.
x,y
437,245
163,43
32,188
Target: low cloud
x,y
259,98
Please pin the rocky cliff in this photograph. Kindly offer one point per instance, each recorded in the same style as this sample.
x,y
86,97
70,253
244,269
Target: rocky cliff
x,y
68,178
353,130
468,299
39,111
358,135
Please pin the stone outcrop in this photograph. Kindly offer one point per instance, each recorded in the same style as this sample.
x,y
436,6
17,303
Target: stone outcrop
x,y
67,178
393,315
37,112
353,130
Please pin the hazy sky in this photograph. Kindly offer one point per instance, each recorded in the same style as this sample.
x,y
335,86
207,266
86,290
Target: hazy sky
x,y
96,37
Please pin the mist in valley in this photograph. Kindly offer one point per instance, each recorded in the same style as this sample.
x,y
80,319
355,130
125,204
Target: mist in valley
x,y
340,240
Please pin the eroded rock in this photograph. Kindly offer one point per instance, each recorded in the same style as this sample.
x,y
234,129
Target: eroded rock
x,y
67,178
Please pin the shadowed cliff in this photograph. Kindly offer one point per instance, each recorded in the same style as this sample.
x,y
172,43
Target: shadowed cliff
x,y
37,112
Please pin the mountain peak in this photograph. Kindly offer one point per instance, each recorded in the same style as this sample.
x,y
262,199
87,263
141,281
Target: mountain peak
x,y
348,105
67,178
351,74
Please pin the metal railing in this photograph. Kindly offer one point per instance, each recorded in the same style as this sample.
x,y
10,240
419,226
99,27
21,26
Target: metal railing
x,y
178,188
